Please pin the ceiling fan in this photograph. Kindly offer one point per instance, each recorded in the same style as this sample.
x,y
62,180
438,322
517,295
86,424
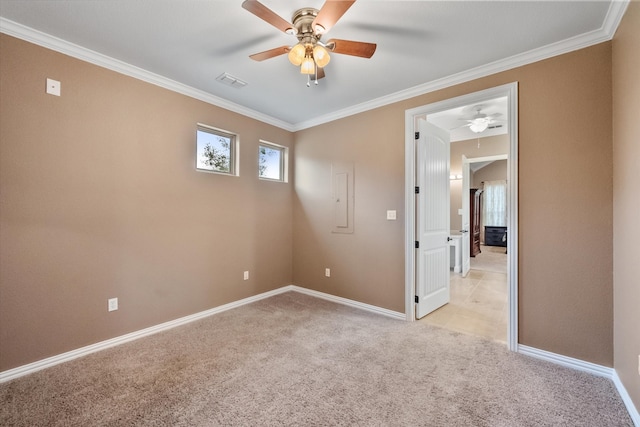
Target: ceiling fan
x,y
480,122
309,24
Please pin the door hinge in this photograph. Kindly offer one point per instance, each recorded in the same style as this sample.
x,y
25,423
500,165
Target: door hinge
x,y
417,299
417,245
417,135
417,190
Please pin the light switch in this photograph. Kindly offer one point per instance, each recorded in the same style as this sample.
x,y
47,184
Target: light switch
x,y
53,87
391,215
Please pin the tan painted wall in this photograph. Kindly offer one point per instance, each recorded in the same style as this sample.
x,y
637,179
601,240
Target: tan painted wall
x,y
565,245
490,146
496,171
626,200
116,208
100,198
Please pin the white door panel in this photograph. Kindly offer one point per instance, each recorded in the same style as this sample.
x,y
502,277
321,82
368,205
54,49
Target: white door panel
x,y
433,204
466,239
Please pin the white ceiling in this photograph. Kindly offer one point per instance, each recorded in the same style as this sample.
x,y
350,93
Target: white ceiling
x,y
422,46
457,119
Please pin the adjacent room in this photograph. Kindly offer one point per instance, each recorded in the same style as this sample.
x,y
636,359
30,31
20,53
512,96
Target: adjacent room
x,y
478,265
208,213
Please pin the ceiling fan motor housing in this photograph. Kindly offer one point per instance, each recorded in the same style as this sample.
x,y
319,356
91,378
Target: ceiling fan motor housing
x,y
303,22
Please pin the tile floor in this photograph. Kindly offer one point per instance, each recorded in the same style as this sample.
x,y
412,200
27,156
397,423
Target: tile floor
x,y
478,302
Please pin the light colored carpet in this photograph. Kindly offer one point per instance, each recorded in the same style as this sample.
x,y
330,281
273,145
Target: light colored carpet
x,y
300,361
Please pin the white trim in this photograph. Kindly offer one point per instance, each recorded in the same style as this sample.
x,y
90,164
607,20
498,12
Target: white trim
x,y
569,362
486,158
83,351
606,32
59,45
592,368
511,91
349,302
603,34
616,11
633,411
528,351
30,368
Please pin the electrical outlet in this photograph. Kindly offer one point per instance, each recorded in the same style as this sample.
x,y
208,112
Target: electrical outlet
x,y
391,215
327,272
113,304
246,275
53,87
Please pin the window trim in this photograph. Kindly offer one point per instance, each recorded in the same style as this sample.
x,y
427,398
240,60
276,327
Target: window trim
x,y
234,161
284,160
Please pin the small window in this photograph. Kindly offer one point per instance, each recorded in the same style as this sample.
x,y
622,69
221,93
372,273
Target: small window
x,y
272,161
216,150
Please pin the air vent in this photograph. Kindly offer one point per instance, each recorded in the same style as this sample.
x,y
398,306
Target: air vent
x,y
494,127
229,80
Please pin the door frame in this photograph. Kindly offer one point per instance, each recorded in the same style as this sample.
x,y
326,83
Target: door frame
x,y
411,116
470,160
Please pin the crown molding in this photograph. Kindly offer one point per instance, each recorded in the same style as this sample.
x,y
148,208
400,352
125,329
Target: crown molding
x,y
606,32
31,35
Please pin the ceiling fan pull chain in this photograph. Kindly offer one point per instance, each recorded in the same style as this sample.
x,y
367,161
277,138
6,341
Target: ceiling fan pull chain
x,y
316,74
308,80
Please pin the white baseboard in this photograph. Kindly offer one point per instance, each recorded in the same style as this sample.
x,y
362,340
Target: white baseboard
x,y
633,411
529,351
83,351
589,367
349,302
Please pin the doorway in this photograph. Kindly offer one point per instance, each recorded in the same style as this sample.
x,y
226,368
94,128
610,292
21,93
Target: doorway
x,y
411,122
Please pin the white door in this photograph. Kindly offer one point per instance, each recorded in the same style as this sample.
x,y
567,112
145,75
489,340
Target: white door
x,y
466,239
433,204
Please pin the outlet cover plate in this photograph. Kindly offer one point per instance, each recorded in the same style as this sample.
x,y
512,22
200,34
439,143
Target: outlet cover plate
x,y
53,87
113,304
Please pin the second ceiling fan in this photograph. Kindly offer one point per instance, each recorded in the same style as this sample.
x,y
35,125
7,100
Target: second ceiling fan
x,y
308,25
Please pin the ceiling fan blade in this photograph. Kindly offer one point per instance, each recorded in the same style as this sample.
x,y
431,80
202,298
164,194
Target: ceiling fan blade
x,y
320,73
331,11
266,14
270,53
348,47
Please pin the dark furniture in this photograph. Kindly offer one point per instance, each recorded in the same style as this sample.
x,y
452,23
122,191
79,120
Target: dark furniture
x,y
495,236
475,211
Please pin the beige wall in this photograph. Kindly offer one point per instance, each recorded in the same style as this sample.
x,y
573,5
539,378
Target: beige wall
x,y
626,200
496,171
565,209
490,146
115,209
100,199
367,265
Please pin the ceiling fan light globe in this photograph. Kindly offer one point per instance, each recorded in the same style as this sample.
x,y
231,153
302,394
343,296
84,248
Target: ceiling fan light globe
x,y
296,54
307,67
321,56
479,126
